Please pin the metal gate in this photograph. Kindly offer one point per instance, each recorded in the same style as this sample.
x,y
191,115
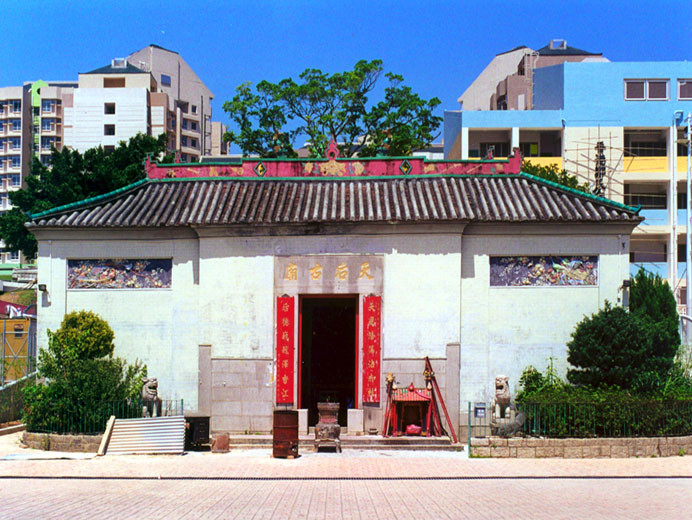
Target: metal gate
x,y
18,352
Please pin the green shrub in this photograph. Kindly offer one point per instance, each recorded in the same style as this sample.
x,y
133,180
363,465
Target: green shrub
x,y
570,411
614,347
81,375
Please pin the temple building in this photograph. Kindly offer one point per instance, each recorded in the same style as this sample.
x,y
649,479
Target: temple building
x,y
270,283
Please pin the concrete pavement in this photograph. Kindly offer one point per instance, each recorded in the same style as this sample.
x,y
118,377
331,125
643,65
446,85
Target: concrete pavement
x,y
401,484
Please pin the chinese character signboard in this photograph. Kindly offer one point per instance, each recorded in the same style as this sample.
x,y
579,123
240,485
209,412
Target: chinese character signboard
x,y
285,347
550,271
328,274
371,348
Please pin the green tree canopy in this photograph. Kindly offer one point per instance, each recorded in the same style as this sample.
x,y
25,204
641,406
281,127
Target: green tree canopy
x,y
555,174
72,177
270,117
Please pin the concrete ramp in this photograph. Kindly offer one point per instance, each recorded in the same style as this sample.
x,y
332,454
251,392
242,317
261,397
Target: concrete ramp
x,y
150,435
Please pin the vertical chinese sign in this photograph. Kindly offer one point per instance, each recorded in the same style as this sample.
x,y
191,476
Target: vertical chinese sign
x,y
285,347
371,348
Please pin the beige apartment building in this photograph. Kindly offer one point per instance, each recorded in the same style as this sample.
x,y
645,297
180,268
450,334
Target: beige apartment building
x,y
152,91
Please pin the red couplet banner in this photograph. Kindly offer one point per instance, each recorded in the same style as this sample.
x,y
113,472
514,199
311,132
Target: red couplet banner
x,y
371,348
285,348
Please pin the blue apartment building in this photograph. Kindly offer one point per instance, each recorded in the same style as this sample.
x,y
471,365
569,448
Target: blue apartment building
x,y
632,114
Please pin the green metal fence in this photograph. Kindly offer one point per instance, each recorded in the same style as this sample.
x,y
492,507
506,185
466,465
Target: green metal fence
x,y
560,420
91,420
12,398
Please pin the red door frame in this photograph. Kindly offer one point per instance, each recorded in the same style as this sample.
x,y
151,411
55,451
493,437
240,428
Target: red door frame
x,y
302,297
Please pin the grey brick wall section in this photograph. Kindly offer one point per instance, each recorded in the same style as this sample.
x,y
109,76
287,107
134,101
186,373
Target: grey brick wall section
x,y
241,401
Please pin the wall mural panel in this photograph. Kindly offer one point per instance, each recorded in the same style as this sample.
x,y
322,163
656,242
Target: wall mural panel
x,y
119,274
551,271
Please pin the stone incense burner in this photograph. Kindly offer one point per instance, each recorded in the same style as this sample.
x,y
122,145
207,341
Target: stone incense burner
x,y
328,429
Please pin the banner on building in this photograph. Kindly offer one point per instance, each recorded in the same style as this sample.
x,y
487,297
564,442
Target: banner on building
x,y
285,349
372,306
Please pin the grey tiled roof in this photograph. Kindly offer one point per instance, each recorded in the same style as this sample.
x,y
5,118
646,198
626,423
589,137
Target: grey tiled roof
x,y
469,198
109,69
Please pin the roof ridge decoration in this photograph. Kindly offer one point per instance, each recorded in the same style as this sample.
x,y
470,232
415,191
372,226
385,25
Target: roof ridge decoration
x,y
332,166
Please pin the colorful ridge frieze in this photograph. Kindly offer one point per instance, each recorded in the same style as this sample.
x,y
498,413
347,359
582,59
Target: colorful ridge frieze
x,y
333,167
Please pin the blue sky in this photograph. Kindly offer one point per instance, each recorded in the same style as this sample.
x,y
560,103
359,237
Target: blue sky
x,y
439,47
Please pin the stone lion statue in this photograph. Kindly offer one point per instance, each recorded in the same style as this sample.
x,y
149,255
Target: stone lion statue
x,y
502,397
150,397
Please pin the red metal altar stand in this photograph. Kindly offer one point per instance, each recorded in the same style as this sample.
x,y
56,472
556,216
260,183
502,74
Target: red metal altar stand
x,y
406,407
410,407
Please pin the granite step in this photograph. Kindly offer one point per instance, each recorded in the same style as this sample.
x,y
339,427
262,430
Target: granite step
x,y
372,442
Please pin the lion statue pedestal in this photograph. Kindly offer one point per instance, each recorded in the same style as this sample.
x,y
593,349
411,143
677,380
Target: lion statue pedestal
x,y
150,398
503,413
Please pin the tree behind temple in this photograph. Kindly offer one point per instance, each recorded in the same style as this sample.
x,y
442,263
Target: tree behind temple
x,y
270,117
554,174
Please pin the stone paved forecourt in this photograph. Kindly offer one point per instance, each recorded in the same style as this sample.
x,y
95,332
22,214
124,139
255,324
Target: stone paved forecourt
x,y
368,485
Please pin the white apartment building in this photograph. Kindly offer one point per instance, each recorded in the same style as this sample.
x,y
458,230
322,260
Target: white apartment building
x,y
152,91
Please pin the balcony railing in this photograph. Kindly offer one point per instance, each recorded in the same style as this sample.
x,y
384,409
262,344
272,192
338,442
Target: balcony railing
x,y
657,164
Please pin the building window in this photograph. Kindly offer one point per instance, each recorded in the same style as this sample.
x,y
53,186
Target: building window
x,y
46,124
13,256
183,157
16,124
15,143
47,105
648,252
16,179
193,143
108,129
646,89
109,148
113,82
16,105
646,200
15,161
685,89
498,149
194,109
529,149
165,80
2,126
45,160
193,125
657,89
183,141
47,142
184,124
109,108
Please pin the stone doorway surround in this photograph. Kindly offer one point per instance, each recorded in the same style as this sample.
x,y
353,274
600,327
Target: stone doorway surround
x,y
329,275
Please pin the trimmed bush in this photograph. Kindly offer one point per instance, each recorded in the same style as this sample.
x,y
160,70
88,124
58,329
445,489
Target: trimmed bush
x,y
613,347
81,377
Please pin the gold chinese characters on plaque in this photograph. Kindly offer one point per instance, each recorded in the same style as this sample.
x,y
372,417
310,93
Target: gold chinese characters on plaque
x,y
326,269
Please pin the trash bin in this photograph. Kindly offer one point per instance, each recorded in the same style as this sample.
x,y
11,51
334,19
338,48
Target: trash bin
x,y
285,434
